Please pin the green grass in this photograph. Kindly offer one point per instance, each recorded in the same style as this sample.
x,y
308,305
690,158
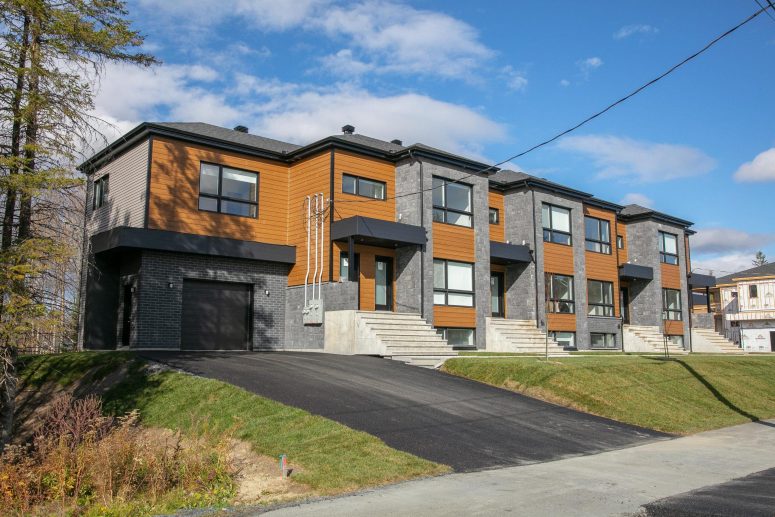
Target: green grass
x,y
679,395
328,456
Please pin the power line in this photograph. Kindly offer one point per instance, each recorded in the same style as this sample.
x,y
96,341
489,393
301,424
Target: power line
x,y
586,120
765,8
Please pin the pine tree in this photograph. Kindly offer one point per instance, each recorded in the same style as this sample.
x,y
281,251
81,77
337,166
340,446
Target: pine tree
x,y
760,259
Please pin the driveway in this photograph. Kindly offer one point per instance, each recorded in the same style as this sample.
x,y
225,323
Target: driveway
x,y
464,424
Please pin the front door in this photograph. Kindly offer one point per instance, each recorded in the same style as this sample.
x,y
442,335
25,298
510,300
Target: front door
x,y
126,323
496,295
624,304
383,283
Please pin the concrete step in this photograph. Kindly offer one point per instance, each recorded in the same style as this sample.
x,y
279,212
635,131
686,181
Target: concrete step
x,y
399,326
408,333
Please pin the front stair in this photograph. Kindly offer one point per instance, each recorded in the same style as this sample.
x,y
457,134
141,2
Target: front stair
x,y
710,341
520,337
644,338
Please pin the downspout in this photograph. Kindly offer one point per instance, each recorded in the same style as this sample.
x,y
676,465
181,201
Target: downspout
x,y
618,280
688,289
422,224
535,259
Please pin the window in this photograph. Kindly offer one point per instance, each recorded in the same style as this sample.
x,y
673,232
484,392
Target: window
x,y
559,294
495,216
753,291
453,283
620,242
451,202
344,265
458,337
228,191
363,187
597,234
564,339
668,248
671,304
600,340
556,222
676,340
600,297
100,192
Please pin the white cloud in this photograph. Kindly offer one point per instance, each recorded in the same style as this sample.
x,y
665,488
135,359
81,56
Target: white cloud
x,y
727,240
721,265
761,168
564,83
634,198
514,80
630,159
586,66
629,30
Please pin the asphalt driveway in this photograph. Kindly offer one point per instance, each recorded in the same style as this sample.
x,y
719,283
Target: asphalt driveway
x,y
457,422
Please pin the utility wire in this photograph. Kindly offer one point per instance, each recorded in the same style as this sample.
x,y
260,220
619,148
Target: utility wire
x,y
765,8
586,120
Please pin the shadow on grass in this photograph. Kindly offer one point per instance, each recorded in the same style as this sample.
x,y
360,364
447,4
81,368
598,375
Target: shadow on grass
x,y
131,393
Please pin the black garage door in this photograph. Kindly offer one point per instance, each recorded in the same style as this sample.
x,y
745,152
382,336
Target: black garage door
x,y
216,316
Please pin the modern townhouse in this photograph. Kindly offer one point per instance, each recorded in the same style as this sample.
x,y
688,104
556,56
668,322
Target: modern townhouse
x,y
199,237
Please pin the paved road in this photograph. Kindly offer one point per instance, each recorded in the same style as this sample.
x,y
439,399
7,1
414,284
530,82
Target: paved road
x,y
461,423
614,483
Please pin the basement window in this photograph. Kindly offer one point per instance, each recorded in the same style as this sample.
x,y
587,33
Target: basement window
x,y
601,340
676,340
458,337
227,190
564,339
100,192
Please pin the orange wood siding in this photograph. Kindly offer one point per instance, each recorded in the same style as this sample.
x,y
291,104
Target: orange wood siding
x,y
453,242
348,205
444,316
367,282
674,328
558,258
497,230
622,228
306,177
561,322
671,276
603,266
174,194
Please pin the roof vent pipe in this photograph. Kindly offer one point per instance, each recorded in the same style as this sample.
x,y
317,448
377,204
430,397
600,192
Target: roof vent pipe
x,y
348,129
397,142
241,129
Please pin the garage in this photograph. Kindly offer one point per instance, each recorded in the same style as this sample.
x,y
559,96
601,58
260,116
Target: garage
x,y
216,315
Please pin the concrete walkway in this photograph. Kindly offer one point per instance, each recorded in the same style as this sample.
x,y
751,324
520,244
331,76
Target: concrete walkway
x,y
618,482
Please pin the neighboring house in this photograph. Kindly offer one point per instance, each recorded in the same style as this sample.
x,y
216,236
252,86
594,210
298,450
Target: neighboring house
x,y
745,311
201,237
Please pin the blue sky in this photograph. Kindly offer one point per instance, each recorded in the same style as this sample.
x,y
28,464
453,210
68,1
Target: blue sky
x,y
488,80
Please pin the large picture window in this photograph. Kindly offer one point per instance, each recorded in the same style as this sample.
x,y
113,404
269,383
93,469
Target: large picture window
x,y
601,340
100,192
452,202
228,191
671,304
363,187
668,248
453,283
597,233
600,296
559,294
556,223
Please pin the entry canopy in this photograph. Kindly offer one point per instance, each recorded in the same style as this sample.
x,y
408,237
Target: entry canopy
x,y
635,272
502,253
376,232
698,280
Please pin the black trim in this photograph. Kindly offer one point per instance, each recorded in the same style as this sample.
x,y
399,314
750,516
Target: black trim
x,y
502,253
664,254
446,290
490,211
551,231
220,197
552,303
377,232
331,175
668,312
161,240
445,209
635,272
358,186
604,306
601,243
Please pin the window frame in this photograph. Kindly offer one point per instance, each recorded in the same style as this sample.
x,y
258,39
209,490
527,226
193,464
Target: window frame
x,y
553,303
446,290
551,231
753,291
605,338
619,242
444,210
553,336
605,306
220,197
667,313
100,192
492,210
663,255
346,255
358,180
444,330
602,244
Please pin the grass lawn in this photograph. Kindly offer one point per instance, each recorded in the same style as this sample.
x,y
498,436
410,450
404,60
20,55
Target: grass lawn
x,y
328,456
678,395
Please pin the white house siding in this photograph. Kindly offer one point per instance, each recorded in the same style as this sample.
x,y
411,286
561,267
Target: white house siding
x,y
125,204
756,335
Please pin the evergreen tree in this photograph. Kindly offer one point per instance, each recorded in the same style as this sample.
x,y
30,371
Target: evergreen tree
x,y
760,259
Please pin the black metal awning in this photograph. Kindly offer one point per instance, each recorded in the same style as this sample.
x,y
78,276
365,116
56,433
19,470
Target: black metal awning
x,y
376,232
697,280
502,253
635,272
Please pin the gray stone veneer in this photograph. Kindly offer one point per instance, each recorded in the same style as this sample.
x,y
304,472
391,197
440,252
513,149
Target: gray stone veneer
x,y
337,296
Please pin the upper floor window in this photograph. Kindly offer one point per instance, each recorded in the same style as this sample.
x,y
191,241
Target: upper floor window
x,y
753,291
597,235
668,248
229,191
600,297
556,223
100,196
559,294
495,216
452,202
363,187
671,304
453,283
620,242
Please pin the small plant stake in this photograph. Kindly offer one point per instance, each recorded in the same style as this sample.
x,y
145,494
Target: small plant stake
x,y
283,466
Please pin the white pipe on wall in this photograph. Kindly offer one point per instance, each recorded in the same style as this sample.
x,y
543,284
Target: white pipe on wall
x,y
317,234
309,236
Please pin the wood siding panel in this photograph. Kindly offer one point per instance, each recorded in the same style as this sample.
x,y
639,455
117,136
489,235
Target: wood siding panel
x,y
367,283
558,258
674,328
306,177
623,253
444,316
497,230
174,194
349,205
671,276
453,242
561,322
603,266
